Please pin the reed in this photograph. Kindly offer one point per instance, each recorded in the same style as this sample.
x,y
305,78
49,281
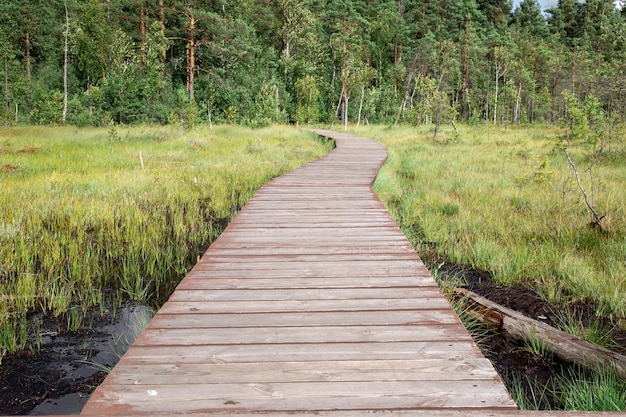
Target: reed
x,y
505,200
84,217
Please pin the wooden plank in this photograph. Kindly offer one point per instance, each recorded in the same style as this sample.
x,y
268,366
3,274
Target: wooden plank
x,y
293,222
297,352
305,233
341,245
307,319
273,335
287,306
568,347
261,260
429,412
260,249
279,211
325,204
348,265
296,372
307,272
299,239
303,396
306,294
199,282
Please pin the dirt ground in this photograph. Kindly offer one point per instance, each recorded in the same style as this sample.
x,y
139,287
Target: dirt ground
x,y
59,377
62,367
510,359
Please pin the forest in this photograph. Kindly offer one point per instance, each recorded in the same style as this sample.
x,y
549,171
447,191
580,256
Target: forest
x,y
102,62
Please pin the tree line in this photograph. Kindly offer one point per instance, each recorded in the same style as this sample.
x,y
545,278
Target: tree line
x,y
96,62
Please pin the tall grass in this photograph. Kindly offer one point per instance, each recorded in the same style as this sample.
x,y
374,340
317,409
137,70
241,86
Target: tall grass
x,y
575,390
85,214
505,200
600,390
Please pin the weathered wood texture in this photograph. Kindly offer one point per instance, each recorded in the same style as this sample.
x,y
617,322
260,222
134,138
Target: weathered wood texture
x,y
311,301
448,412
568,347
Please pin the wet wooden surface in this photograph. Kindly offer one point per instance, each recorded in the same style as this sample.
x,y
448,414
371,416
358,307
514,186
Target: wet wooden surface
x,y
311,301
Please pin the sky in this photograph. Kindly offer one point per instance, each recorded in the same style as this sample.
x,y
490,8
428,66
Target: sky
x,y
545,4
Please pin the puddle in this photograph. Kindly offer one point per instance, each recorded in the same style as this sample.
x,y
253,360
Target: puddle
x,y
59,377
67,404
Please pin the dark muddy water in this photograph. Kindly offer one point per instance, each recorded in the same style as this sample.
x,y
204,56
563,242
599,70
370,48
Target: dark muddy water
x,y
59,377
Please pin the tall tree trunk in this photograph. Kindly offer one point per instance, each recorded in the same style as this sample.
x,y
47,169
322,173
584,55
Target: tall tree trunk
x,y
6,91
162,16
495,100
344,85
553,94
358,121
277,97
437,120
209,114
338,109
162,21
142,29
191,57
27,60
573,75
516,110
345,112
465,108
192,70
67,33
407,88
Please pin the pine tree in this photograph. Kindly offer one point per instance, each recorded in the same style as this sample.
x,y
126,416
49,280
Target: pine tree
x,y
527,19
348,39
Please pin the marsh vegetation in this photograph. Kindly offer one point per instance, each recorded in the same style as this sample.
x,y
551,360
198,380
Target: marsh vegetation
x,y
90,217
505,200
506,205
93,217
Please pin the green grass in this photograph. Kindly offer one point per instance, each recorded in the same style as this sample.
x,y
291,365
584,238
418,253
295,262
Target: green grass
x,y
529,395
81,219
505,200
592,391
595,331
575,390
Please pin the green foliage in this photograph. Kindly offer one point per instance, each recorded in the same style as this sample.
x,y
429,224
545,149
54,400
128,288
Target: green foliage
x,y
537,346
534,397
47,108
112,134
595,332
576,390
503,201
307,100
601,390
97,211
344,59
582,120
431,103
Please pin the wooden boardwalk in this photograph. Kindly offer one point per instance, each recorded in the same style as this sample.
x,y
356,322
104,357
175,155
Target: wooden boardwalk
x,y
311,301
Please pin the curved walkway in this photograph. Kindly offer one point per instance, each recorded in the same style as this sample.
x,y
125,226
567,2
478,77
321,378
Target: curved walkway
x,y
311,301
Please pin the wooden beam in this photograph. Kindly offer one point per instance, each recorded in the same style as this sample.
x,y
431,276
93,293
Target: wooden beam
x,y
566,346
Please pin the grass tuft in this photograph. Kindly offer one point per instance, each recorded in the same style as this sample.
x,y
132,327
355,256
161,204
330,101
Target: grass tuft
x,y
602,390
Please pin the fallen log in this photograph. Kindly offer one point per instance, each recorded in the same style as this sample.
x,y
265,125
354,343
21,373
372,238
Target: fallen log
x,y
566,346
